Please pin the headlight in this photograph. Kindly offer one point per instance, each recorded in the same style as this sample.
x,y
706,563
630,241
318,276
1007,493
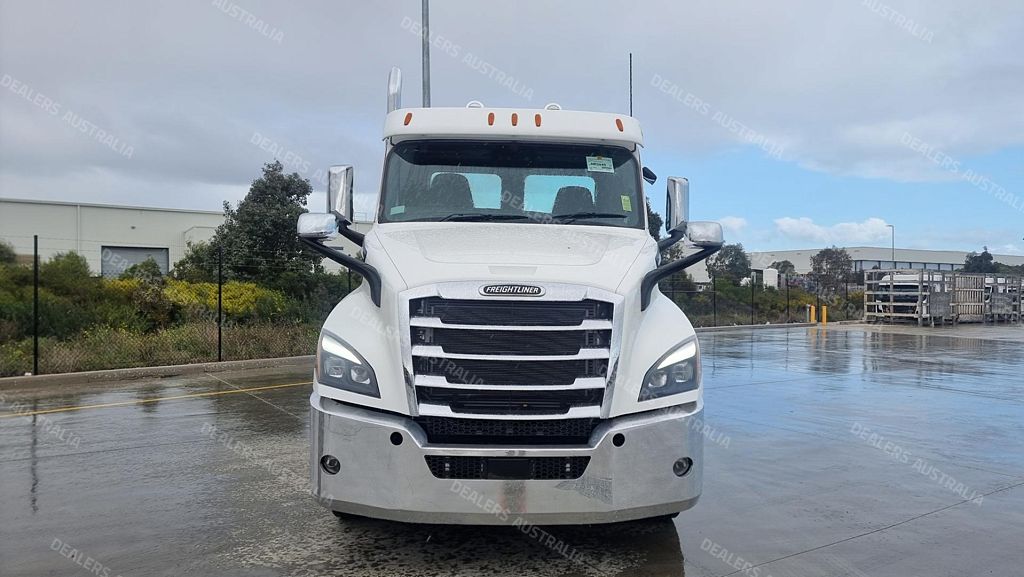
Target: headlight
x,y
339,366
676,372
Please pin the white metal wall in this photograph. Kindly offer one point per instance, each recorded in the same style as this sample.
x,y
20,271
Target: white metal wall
x,y
87,228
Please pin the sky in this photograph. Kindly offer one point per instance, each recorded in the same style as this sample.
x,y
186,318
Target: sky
x,y
800,124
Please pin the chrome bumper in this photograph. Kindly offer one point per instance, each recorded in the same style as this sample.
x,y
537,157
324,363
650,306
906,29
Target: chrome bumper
x,y
387,481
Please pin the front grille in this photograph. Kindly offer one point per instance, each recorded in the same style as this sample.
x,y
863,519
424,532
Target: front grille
x,y
447,430
495,342
510,312
501,372
506,356
510,402
445,467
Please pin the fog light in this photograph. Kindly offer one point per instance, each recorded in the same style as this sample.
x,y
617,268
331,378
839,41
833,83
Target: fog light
x,y
330,464
682,466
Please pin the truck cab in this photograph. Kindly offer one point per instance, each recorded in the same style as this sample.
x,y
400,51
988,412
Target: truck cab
x,y
508,357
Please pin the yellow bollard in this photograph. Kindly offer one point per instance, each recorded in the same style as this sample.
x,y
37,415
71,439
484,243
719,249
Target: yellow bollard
x,y
824,314
814,313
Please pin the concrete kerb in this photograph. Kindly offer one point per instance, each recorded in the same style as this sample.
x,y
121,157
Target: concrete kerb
x,y
87,377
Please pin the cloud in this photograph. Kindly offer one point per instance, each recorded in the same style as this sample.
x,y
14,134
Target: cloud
x,y
837,86
843,233
733,224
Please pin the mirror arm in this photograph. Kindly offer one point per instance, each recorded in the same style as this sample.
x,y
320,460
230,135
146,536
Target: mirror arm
x,y
675,236
366,271
651,279
351,233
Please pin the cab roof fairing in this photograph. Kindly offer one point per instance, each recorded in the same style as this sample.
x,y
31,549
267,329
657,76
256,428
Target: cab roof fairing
x,y
478,123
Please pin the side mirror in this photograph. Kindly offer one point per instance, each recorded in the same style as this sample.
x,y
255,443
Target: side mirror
x,y
339,193
705,234
649,175
317,226
677,204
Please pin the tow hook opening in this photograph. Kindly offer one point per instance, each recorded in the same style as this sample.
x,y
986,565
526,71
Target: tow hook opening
x,y
682,466
330,464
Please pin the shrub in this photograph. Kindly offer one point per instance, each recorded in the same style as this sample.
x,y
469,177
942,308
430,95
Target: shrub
x,y
7,254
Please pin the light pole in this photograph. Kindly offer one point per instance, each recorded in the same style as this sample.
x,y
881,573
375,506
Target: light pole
x,y
425,34
893,228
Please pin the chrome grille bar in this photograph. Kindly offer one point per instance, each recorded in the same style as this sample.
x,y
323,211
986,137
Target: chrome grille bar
x,y
509,376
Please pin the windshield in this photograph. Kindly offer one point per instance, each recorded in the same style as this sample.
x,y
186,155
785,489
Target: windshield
x,y
512,182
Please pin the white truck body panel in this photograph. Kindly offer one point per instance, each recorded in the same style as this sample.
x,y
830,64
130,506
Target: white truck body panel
x,y
639,458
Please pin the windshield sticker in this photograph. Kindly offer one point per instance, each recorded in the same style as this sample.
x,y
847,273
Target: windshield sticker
x,y
599,164
397,209
627,203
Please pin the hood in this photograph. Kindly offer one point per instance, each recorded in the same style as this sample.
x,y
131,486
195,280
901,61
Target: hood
x,y
431,252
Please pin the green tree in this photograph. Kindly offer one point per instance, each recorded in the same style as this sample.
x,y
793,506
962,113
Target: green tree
x,y
731,263
7,254
654,222
145,271
784,267
199,263
258,238
1010,269
831,268
980,263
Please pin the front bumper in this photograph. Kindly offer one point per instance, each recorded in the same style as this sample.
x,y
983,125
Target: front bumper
x,y
387,481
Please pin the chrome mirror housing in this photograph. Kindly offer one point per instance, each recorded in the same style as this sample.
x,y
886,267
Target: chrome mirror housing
x,y
317,226
339,192
677,204
705,234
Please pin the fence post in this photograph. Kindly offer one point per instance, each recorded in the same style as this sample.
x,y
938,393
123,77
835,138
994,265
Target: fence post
x,y
220,299
786,280
35,304
714,300
751,298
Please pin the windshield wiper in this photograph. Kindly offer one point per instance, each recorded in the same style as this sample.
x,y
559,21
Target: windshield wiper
x,y
477,217
572,217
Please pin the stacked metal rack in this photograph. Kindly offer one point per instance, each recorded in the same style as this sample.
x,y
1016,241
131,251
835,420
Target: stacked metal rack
x,y
928,296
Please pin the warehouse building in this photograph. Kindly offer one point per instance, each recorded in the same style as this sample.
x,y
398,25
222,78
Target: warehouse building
x,y
110,237
867,258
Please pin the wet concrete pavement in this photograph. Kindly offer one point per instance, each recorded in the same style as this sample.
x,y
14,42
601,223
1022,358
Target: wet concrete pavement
x,y
853,451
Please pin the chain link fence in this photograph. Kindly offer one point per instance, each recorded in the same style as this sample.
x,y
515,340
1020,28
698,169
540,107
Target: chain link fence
x,y
58,316
724,303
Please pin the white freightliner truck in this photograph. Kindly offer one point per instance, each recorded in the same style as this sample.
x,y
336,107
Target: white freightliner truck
x,y
508,355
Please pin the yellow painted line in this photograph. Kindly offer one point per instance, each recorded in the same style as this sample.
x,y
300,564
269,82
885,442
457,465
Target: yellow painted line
x,y
156,400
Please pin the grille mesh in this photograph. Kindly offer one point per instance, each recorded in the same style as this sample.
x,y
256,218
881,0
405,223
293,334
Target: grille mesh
x,y
487,372
509,312
447,430
444,467
491,342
